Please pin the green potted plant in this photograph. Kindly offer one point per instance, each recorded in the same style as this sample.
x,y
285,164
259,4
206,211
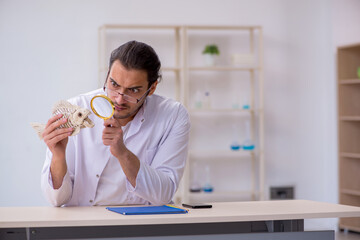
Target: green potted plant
x,y
210,52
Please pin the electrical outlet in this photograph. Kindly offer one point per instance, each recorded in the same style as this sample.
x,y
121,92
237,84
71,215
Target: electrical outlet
x,y
284,192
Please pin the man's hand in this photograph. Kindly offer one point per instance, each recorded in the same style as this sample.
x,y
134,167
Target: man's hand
x,y
56,139
113,137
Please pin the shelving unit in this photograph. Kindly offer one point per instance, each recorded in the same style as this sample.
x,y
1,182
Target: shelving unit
x,y
349,131
230,39
180,50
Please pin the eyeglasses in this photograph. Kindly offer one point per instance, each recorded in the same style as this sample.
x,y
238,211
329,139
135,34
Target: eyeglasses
x,y
127,98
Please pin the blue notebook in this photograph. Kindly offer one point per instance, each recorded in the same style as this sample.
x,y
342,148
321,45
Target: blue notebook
x,y
164,209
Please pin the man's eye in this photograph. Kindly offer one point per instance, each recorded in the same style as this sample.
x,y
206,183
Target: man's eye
x,y
134,90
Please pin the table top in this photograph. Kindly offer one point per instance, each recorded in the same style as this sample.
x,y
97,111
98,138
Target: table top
x,y
221,212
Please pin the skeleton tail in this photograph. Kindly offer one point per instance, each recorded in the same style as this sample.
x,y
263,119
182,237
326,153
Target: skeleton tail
x,y
39,128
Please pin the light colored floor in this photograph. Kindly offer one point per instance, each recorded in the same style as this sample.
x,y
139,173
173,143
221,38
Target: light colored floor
x,y
347,236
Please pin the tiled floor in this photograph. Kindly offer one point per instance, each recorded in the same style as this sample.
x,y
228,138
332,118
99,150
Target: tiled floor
x,y
347,236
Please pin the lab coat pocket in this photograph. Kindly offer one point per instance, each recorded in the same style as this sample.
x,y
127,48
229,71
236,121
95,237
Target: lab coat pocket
x,y
150,154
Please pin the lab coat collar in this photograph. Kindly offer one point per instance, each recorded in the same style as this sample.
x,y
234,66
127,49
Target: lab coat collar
x,y
138,120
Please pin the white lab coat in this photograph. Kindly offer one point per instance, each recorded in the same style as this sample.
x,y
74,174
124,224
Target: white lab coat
x,y
158,136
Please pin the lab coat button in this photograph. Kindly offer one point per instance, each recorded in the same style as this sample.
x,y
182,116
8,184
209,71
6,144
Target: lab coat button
x,y
97,175
142,120
91,201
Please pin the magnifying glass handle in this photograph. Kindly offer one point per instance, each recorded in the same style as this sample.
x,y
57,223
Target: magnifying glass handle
x,y
109,125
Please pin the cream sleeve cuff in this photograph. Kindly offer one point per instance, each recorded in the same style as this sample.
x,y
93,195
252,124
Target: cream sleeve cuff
x,y
62,195
130,187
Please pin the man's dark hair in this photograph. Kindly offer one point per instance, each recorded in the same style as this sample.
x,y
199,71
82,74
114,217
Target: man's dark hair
x,y
138,56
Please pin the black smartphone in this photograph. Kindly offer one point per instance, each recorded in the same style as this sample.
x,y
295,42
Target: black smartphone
x,y
197,205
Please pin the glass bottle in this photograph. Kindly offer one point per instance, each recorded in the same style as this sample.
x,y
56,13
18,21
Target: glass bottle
x,y
246,102
248,143
198,100
235,145
194,185
207,100
207,186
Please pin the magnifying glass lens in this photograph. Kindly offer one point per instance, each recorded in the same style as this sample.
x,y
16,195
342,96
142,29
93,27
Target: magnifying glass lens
x,y
102,106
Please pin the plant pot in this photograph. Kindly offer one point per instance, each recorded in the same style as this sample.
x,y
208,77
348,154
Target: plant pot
x,y
210,59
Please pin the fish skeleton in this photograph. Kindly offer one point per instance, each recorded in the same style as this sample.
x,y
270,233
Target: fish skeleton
x,y
77,118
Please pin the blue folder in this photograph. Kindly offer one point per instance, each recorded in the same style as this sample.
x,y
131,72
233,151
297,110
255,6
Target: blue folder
x,y
164,209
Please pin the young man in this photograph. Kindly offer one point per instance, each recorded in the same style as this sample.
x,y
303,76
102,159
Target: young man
x,y
136,157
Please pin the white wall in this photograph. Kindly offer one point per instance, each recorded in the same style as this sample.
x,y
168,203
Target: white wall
x,y
49,51
346,22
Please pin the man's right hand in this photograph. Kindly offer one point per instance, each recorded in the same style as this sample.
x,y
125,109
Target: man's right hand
x,y
56,139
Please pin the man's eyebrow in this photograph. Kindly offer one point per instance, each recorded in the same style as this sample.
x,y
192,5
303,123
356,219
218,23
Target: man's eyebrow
x,y
113,80
135,87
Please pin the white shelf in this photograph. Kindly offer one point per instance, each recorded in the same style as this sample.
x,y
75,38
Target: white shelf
x,y
220,154
223,68
207,112
222,196
163,69
172,69
246,28
130,26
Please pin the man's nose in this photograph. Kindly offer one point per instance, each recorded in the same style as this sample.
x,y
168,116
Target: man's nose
x,y
120,98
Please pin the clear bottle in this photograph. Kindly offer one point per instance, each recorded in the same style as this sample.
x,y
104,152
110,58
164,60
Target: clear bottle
x,y
246,102
235,102
194,185
208,188
235,145
248,143
198,100
207,100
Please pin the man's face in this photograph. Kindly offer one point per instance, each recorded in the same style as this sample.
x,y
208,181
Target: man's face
x,y
133,83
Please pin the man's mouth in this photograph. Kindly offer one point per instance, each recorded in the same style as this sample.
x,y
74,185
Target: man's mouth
x,y
120,108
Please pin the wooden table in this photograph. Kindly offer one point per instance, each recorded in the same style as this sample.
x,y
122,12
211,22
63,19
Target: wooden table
x,y
232,220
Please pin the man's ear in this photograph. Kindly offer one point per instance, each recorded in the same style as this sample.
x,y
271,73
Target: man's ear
x,y
153,88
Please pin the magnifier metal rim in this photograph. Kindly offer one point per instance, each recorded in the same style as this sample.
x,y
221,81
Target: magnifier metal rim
x,y
96,113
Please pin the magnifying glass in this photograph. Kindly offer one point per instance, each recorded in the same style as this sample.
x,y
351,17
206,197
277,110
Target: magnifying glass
x,y
102,106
